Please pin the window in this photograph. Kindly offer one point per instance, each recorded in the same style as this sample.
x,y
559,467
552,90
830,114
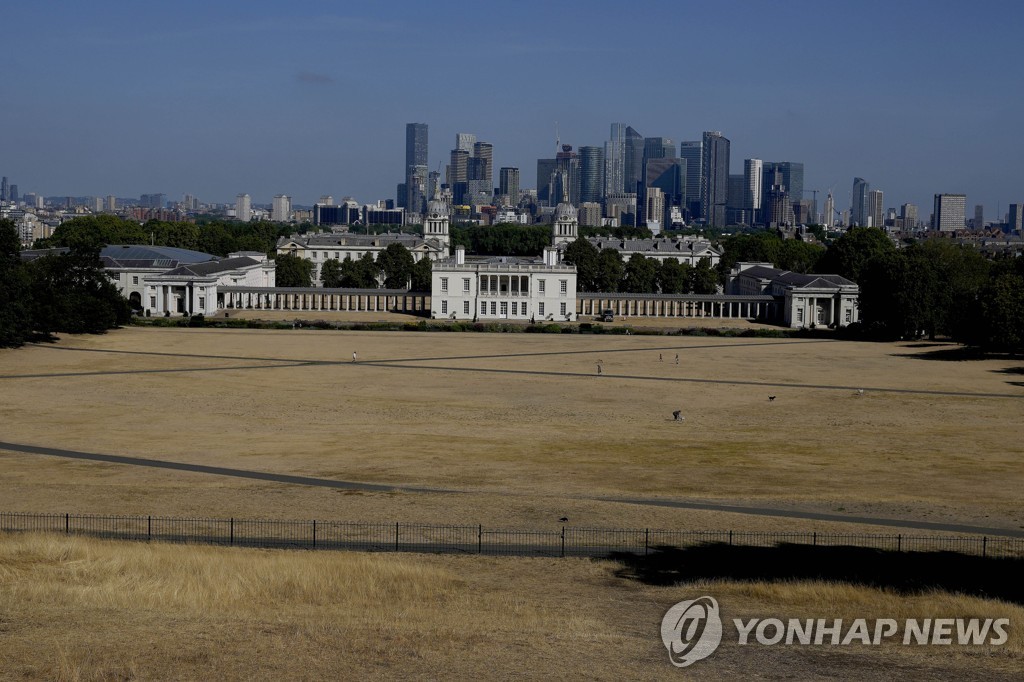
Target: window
x,y
515,308
202,303
135,279
799,314
465,307
540,286
540,309
849,316
504,308
444,307
444,284
494,308
465,284
563,287
152,301
483,307
562,309
336,254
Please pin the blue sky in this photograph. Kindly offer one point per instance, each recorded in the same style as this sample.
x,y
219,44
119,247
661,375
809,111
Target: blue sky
x,y
311,98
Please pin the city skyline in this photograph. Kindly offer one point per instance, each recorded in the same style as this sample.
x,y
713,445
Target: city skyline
x,y
216,101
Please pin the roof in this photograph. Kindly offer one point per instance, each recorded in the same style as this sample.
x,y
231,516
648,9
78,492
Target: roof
x,y
212,267
663,245
321,240
795,279
139,252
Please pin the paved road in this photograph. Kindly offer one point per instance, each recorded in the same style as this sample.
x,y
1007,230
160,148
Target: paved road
x,y
652,502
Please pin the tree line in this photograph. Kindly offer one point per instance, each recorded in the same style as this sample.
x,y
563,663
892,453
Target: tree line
x,y
56,293
606,271
393,268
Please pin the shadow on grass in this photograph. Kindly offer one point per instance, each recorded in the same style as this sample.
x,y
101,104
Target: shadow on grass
x,y
903,572
957,354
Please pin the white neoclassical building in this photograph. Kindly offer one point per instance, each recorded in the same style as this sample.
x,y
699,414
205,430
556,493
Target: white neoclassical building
x,y
193,288
503,288
319,248
689,250
810,300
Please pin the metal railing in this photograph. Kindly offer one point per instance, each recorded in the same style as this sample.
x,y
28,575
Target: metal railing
x,y
452,539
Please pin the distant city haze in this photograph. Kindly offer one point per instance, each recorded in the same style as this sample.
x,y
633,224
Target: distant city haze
x,y
312,98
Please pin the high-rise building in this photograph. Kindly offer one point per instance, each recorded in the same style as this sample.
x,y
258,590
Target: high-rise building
x,y
753,172
152,200
591,174
859,203
465,141
667,176
281,209
1015,218
876,208
508,184
111,203
614,160
789,175
830,209
714,190
590,213
243,208
458,165
659,148
415,168
545,168
979,216
908,214
481,166
567,163
693,153
12,193
633,160
949,212
3,189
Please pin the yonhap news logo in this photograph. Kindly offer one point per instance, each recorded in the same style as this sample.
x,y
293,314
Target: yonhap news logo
x,y
692,630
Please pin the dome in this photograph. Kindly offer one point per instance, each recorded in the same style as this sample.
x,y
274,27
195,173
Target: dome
x,y
437,209
565,212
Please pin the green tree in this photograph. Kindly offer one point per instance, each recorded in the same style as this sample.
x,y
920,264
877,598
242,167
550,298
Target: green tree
x,y
293,271
849,254
585,257
703,278
92,233
180,235
1002,313
72,293
609,271
640,275
15,289
396,263
421,275
361,273
799,256
330,273
673,276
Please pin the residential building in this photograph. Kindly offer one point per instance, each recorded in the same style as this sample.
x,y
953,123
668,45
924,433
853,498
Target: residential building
x,y
243,207
714,190
281,208
949,213
508,184
875,208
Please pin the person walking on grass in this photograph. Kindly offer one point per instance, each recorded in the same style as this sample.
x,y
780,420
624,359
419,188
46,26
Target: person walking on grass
x,y
354,356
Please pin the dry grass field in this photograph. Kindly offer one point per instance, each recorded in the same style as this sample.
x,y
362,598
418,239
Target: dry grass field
x,y
77,609
519,430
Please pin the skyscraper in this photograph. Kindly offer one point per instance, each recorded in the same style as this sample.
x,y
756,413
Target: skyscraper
x,y
979,216
415,167
1015,218
666,175
465,141
243,208
3,189
545,167
830,210
714,190
614,159
949,212
789,175
567,165
633,161
859,203
659,148
693,153
591,174
876,207
508,184
281,210
753,172
908,214
480,171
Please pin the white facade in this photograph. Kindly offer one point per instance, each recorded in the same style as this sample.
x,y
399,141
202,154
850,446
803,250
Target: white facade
x,y
806,300
565,226
192,288
281,210
689,250
503,288
243,208
319,248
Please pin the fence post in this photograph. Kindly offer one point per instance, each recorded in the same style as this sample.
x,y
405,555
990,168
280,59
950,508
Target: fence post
x,y
563,541
67,523
231,540
480,539
396,536
815,538
314,533
647,540
899,542
149,527
730,538
984,546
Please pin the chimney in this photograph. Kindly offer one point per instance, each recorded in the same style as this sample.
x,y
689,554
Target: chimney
x,y
550,255
460,255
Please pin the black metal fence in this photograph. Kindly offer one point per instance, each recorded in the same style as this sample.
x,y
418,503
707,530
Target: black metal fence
x,y
418,537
